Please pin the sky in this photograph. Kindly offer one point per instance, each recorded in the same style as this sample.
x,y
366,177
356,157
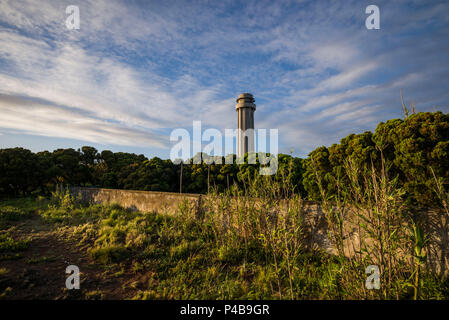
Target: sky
x,y
137,70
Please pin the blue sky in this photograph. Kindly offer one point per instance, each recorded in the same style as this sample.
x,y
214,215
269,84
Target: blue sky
x,y
136,70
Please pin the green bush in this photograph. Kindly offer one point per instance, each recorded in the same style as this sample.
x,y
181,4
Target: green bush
x,y
411,147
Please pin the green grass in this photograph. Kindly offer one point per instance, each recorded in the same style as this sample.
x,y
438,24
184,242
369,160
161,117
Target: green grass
x,y
14,210
10,248
9,213
43,259
94,295
5,293
237,250
190,259
27,205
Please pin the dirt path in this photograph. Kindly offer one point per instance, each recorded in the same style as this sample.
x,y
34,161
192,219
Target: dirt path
x,y
40,271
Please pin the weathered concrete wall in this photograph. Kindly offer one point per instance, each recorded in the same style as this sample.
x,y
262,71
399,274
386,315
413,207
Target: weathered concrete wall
x,y
145,201
315,223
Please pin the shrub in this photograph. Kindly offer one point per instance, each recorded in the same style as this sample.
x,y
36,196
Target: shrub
x,y
410,147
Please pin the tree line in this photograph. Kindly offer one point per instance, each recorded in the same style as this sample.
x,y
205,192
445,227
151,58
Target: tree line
x,y
24,172
414,149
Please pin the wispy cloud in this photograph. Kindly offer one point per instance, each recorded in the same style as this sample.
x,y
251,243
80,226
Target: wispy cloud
x,y
135,70
46,119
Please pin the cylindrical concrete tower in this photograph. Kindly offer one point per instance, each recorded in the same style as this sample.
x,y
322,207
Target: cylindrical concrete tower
x,y
245,108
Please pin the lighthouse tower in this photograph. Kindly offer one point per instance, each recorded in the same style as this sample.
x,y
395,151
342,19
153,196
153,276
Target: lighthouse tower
x,y
245,109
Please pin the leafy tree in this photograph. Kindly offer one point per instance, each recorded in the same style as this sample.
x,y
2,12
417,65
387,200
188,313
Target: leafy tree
x,y
414,145
18,171
410,147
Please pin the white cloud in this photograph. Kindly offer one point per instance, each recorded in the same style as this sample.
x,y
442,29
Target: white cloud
x,y
49,120
333,55
131,70
347,77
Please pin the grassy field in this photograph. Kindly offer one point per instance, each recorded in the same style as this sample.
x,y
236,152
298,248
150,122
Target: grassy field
x,y
226,252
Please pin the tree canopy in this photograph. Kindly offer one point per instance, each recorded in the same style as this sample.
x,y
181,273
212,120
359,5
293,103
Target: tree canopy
x,y
411,147
23,172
